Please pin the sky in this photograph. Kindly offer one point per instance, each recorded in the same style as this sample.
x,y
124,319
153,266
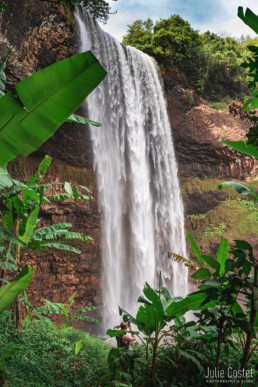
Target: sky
x,y
219,16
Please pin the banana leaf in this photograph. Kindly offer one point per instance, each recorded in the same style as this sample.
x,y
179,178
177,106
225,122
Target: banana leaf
x,y
82,120
249,18
5,178
192,302
241,146
222,254
49,97
30,225
9,292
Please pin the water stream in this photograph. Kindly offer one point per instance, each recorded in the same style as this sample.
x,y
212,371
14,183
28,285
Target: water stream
x,y
138,191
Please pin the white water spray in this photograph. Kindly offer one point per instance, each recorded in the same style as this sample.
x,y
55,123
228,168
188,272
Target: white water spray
x,y
138,190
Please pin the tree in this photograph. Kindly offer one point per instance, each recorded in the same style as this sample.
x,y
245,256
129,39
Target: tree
x,y
210,62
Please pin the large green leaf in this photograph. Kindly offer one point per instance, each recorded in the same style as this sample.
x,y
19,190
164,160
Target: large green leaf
x,y
5,178
192,302
115,333
156,302
195,248
249,18
222,254
240,188
45,230
82,120
49,96
61,246
9,292
241,146
30,224
147,318
211,262
202,273
6,235
78,347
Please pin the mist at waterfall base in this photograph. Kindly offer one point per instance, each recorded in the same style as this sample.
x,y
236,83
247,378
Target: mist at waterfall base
x,y
138,190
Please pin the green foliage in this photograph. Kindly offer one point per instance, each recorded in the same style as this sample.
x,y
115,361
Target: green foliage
x,y
153,320
250,205
49,97
249,18
2,74
210,62
47,356
20,205
2,6
57,308
82,120
251,63
9,292
5,355
211,232
21,208
241,146
223,286
240,188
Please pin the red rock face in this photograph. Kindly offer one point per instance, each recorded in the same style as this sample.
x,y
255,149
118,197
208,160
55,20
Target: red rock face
x,y
197,131
39,37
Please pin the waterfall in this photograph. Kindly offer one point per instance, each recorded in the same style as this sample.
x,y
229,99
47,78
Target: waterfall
x,y
138,191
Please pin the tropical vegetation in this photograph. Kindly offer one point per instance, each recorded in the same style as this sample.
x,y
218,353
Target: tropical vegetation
x,y
210,62
174,349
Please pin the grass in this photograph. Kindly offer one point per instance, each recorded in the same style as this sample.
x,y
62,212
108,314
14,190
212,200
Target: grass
x,y
46,356
234,216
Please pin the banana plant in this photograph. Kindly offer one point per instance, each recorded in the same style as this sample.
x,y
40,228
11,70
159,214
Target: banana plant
x,y
225,281
251,105
154,318
58,308
49,98
9,292
20,205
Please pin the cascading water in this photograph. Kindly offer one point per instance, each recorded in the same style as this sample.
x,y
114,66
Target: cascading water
x,y
138,190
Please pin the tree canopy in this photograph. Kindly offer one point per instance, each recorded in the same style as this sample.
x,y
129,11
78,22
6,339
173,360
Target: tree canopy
x,y
211,62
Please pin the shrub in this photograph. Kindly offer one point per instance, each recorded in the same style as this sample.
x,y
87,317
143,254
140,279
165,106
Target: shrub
x,y
47,356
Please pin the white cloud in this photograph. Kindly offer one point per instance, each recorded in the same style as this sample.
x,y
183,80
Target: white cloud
x,y
131,10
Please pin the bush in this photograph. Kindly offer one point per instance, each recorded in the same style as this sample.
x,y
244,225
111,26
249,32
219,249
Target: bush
x,y
47,356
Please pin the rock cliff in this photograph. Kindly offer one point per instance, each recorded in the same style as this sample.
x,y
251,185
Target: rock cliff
x,y
39,36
